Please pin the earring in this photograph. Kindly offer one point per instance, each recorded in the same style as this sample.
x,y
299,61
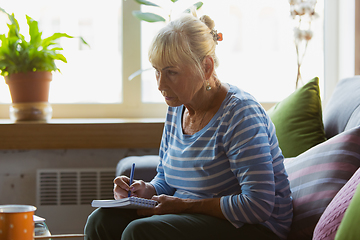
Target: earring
x,y
208,87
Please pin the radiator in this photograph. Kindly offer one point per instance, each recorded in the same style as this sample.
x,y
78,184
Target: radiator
x,y
63,196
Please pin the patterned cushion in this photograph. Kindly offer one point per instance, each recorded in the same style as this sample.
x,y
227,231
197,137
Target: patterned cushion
x,y
330,220
349,226
317,175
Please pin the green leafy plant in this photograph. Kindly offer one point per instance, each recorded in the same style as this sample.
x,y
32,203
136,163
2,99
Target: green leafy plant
x,y
37,54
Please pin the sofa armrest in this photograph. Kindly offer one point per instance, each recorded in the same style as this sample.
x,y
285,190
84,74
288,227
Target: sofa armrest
x,y
145,167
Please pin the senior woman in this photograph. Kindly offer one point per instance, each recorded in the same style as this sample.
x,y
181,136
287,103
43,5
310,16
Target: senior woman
x,y
221,172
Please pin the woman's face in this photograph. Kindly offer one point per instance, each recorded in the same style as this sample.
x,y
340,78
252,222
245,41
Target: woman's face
x,y
178,84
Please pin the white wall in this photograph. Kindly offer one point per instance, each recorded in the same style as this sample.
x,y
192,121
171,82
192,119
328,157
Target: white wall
x,y
18,172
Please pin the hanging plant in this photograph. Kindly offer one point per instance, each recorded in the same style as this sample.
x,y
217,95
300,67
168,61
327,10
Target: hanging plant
x,y
152,17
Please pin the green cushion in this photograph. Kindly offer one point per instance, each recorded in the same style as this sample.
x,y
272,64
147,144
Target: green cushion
x,y
349,226
298,120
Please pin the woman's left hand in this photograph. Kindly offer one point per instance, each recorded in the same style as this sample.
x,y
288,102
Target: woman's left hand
x,y
166,205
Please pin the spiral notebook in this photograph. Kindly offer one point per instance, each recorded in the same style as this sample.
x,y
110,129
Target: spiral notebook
x,y
130,202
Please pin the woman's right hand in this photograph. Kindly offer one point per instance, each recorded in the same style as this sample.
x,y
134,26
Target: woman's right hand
x,y
139,188
121,187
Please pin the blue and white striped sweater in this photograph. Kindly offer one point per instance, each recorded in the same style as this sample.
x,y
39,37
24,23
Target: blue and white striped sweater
x,y
235,157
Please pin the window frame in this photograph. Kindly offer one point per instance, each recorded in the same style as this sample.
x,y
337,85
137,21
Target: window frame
x,y
133,107
339,43
357,38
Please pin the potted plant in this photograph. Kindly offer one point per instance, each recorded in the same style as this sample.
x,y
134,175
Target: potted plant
x,y
27,67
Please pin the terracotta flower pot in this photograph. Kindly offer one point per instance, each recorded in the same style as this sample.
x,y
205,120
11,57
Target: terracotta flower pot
x,y
30,96
29,87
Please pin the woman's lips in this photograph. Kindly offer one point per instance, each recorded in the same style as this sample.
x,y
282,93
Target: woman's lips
x,y
167,98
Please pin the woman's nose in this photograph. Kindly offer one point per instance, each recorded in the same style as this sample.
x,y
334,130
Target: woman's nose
x,y
160,81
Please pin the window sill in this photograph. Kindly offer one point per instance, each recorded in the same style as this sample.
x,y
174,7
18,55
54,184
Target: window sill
x,y
81,133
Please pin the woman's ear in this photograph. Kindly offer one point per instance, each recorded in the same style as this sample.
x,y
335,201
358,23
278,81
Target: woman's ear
x,y
208,64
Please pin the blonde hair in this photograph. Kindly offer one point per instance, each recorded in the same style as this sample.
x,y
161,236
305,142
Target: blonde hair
x,y
187,40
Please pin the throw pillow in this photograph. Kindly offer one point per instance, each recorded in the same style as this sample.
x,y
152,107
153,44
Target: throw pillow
x,y
298,120
330,220
342,112
349,226
317,175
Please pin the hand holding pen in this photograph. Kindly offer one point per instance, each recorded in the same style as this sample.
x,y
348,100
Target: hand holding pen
x,y
122,185
139,188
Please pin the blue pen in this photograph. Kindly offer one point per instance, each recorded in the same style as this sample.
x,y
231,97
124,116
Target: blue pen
x,y
131,177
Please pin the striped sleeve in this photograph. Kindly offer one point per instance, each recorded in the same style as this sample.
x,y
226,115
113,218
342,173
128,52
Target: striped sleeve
x,y
250,160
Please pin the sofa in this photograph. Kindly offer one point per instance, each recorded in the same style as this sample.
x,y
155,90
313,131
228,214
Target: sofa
x,y
322,159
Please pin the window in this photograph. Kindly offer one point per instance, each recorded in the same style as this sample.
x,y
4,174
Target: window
x,y
257,53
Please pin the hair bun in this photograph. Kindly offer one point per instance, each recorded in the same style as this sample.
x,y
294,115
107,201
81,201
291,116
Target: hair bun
x,y
208,22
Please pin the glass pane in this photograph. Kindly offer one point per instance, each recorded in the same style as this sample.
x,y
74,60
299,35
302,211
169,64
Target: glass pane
x,y
258,51
149,92
92,75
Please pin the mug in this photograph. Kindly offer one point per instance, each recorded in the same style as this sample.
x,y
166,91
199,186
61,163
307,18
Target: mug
x,y
16,222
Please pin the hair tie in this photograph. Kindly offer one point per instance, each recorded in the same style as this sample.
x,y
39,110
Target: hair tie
x,y
219,37
216,36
